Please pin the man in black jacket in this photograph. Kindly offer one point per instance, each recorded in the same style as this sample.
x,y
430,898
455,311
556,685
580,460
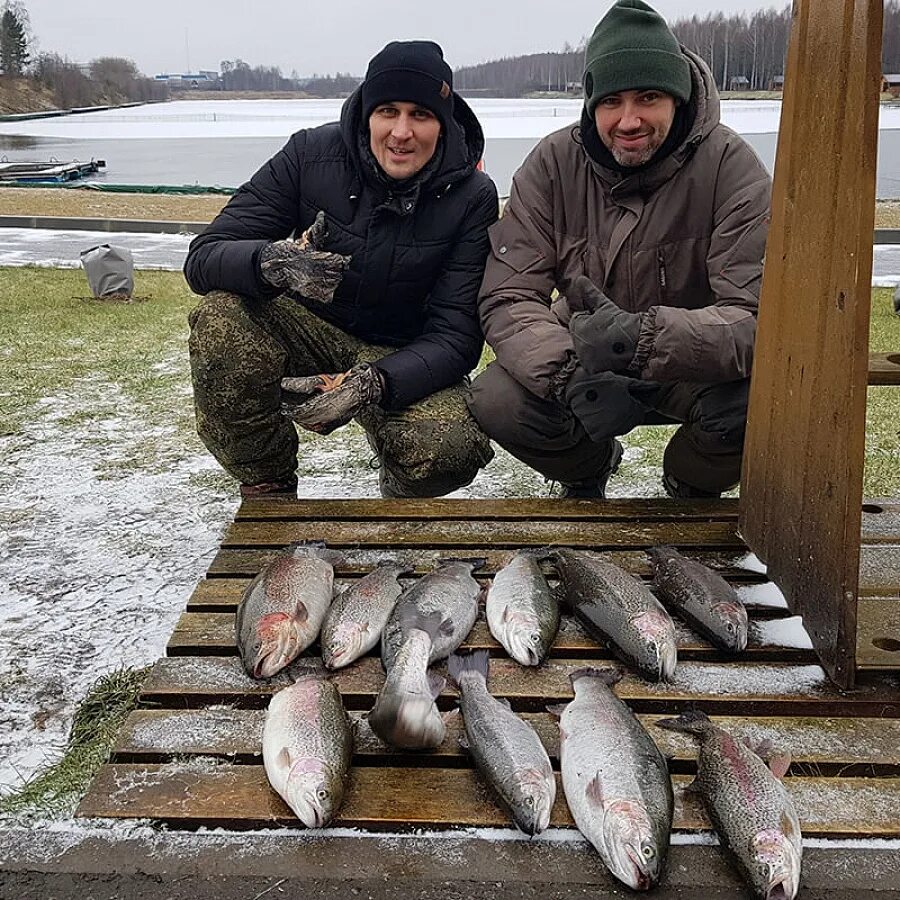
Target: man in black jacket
x,y
371,313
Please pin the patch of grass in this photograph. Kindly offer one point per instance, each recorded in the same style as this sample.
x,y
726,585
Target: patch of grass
x,y
97,721
882,472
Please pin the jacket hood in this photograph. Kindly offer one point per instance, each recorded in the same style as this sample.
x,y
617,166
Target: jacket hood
x,y
702,112
462,145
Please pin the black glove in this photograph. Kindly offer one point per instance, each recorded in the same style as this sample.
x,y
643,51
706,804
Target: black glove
x,y
302,266
321,403
608,405
606,336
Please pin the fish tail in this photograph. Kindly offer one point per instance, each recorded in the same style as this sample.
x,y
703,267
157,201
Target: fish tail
x,y
432,624
476,661
662,552
476,562
607,676
403,568
540,553
694,721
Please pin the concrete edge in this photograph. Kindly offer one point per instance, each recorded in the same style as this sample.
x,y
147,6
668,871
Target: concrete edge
x,y
73,223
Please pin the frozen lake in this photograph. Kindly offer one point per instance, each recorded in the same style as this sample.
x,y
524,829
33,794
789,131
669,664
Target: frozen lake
x,y
224,142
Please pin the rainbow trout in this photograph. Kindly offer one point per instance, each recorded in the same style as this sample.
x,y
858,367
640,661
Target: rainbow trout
x,y
618,608
703,598
356,618
449,589
506,749
307,746
521,612
615,780
749,806
283,608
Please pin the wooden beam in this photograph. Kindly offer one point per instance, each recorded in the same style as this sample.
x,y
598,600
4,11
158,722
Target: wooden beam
x,y
803,463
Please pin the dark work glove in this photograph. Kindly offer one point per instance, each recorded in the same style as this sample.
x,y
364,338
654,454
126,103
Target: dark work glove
x,y
322,403
607,404
606,337
302,266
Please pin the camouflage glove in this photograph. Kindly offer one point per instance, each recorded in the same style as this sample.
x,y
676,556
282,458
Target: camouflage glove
x,y
605,336
302,266
321,403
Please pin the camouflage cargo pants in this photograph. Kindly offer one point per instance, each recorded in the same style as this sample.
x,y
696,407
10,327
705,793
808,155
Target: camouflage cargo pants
x,y
241,350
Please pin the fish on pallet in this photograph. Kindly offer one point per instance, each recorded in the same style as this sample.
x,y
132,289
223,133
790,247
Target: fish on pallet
x,y
282,609
749,806
405,714
521,611
356,618
449,589
506,749
616,607
700,596
307,747
615,780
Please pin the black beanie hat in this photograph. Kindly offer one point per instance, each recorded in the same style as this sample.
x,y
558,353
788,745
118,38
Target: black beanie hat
x,y
410,72
632,48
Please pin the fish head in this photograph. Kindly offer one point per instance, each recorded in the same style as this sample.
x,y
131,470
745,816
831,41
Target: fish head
x,y
657,633
272,644
313,791
344,644
533,795
734,619
775,864
526,644
633,850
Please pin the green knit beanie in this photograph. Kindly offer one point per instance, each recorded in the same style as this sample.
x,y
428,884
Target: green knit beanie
x,y
632,48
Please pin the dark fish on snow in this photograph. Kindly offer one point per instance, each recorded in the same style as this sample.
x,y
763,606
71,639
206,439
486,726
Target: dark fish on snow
x,y
749,806
614,606
703,598
506,749
282,609
615,780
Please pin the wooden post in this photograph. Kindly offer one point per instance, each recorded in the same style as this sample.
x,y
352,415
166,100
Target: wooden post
x,y
803,464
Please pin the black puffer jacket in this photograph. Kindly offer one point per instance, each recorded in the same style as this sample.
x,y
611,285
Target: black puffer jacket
x,y
417,256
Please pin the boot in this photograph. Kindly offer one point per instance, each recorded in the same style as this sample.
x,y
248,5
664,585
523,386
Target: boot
x,y
680,490
274,489
595,488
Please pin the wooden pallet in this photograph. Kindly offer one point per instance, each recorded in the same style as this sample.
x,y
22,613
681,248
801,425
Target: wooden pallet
x,y
190,755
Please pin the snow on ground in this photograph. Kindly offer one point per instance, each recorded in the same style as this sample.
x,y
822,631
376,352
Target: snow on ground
x,y
51,247
277,118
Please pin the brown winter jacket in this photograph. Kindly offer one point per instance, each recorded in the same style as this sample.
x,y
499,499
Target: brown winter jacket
x,y
683,241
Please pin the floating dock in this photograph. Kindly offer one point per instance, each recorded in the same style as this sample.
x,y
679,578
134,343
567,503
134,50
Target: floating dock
x,y
50,172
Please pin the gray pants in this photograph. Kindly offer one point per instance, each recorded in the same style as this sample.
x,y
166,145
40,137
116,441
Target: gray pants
x,y
240,350
704,453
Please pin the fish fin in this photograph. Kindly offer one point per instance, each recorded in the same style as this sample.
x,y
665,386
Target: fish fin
x,y
450,715
504,615
436,683
476,661
558,595
762,748
607,676
301,613
539,554
476,562
594,791
464,742
692,787
556,709
283,758
694,721
779,763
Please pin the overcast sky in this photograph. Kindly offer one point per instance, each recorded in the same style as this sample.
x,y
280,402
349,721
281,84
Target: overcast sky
x,y
326,36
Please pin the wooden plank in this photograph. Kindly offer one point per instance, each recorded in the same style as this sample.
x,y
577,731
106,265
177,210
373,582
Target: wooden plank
x,y
801,489
884,368
878,635
233,562
408,798
450,534
527,509
213,633
720,688
152,734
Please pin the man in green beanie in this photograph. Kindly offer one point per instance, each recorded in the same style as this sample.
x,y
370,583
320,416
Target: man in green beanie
x,y
623,280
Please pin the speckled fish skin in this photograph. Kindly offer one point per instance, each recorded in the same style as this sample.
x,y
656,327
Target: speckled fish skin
x,y
282,610
522,614
750,808
405,714
449,589
703,598
615,780
356,618
614,606
506,750
307,747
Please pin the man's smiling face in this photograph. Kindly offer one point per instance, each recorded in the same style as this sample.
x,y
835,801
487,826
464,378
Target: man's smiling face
x,y
403,137
634,124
